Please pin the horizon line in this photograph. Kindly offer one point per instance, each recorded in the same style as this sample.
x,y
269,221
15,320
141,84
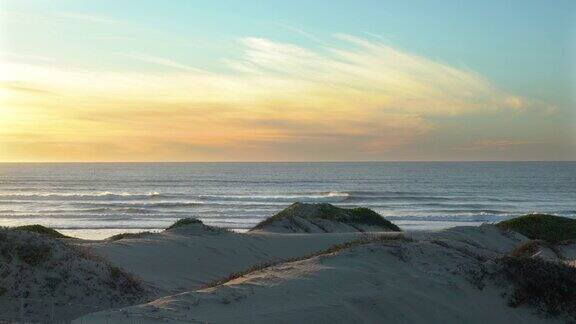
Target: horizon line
x,y
247,162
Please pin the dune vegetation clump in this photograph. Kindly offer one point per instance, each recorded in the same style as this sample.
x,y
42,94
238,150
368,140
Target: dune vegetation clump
x,y
358,215
29,252
123,236
194,226
527,249
545,227
546,285
184,222
370,217
33,253
319,214
40,230
533,247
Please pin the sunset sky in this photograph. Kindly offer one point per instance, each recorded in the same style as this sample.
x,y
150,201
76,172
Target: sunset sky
x,y
142,80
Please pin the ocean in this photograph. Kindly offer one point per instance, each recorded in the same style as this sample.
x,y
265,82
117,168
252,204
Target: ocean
x,y
95,200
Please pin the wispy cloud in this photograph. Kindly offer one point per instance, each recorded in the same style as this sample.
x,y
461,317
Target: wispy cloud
x,y
379,74
165,62
362,98
379,37
24,87
495,144
301,32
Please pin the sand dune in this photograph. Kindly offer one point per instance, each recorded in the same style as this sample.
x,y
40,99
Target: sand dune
x,y
43,279
197,273
427,278
182,259
324,218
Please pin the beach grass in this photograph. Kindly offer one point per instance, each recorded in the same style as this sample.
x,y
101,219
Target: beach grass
x,y
545,227
362,215
330,212
530,248
184,222
545,285
40,230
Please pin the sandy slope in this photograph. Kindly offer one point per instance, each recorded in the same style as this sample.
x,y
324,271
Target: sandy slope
x,y
187,258
425,280
43,279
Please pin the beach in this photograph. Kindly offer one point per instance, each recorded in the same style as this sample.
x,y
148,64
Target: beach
x,y
286,271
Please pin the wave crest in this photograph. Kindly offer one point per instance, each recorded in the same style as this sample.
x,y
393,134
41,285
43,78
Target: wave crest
x,y
84,196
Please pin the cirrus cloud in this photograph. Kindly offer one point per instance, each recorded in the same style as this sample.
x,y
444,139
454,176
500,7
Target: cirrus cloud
x,y
359,96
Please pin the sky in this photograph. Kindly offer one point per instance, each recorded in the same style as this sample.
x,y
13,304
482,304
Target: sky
x,y
246,80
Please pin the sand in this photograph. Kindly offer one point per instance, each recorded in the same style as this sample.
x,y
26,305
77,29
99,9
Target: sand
x,y
413,277
422,280
185,259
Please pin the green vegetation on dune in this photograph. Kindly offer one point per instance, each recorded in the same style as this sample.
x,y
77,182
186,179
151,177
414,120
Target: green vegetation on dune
x,y
330,212
271,219
40,230
358,215
183,222
545,227
370,217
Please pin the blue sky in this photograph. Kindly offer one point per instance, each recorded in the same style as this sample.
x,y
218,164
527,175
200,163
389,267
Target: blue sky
x,y
524,48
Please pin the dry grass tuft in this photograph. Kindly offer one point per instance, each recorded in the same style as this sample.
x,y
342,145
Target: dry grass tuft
x,y
548,286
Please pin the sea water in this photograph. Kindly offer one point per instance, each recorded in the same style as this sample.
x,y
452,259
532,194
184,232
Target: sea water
x,y
94,200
